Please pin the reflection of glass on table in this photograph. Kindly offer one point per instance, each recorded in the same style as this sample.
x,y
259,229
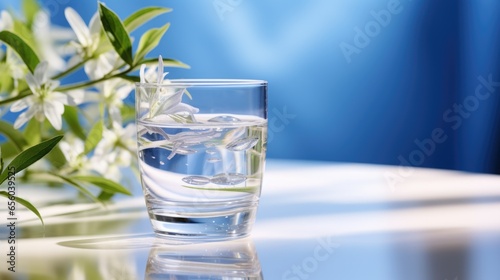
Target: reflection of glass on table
x,y
229,260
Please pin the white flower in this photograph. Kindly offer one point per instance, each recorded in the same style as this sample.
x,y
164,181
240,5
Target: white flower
x,y
112,93
88,37
14,64
102,65
73,148
118,138
6,21
44,102
16,69
165,100
168,102
96,66
116,149
153,74
51,41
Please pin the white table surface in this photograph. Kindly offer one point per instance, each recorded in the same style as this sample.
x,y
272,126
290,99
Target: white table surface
x,y
316,220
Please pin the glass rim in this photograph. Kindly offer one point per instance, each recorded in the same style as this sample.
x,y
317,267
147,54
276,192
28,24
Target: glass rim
x,y
205,83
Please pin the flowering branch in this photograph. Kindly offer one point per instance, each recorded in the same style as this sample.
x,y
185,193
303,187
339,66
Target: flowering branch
x,y
79,130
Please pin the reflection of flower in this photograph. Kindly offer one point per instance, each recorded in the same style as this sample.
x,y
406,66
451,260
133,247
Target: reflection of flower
x,y
44,102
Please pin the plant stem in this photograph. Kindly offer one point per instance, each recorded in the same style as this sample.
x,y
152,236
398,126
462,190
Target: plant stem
x,y
21,95
70,70
93,82
81,85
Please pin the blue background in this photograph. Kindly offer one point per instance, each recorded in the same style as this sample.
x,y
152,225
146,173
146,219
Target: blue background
x,y
371,106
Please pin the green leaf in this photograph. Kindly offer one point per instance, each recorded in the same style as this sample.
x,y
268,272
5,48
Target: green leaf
x,y
1,161
149,41
13,134
58,178
128,113
20,29
8,150
103,183
56,158
24,203
105,196
22,48
71,117
95,135
142,16
6,81
30,156
133,79
167,62
116,33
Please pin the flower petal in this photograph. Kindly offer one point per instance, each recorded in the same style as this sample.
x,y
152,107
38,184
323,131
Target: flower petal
x,y
182,108
76,97
53,112
24,118
21,104
33,84
151,74
66,149
59,97
95,25
160,70
51,85
115,115
143,78
73,61
78,25
130,131
39,115
124,91
45,40
41,72
6,21
97,68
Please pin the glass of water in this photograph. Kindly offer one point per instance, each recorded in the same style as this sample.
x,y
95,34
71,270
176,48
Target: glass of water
x,y
202,149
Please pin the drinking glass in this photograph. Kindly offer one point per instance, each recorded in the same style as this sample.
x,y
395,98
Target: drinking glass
x,y
202,149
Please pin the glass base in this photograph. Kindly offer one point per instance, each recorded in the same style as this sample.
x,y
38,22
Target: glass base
x,y
203,226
